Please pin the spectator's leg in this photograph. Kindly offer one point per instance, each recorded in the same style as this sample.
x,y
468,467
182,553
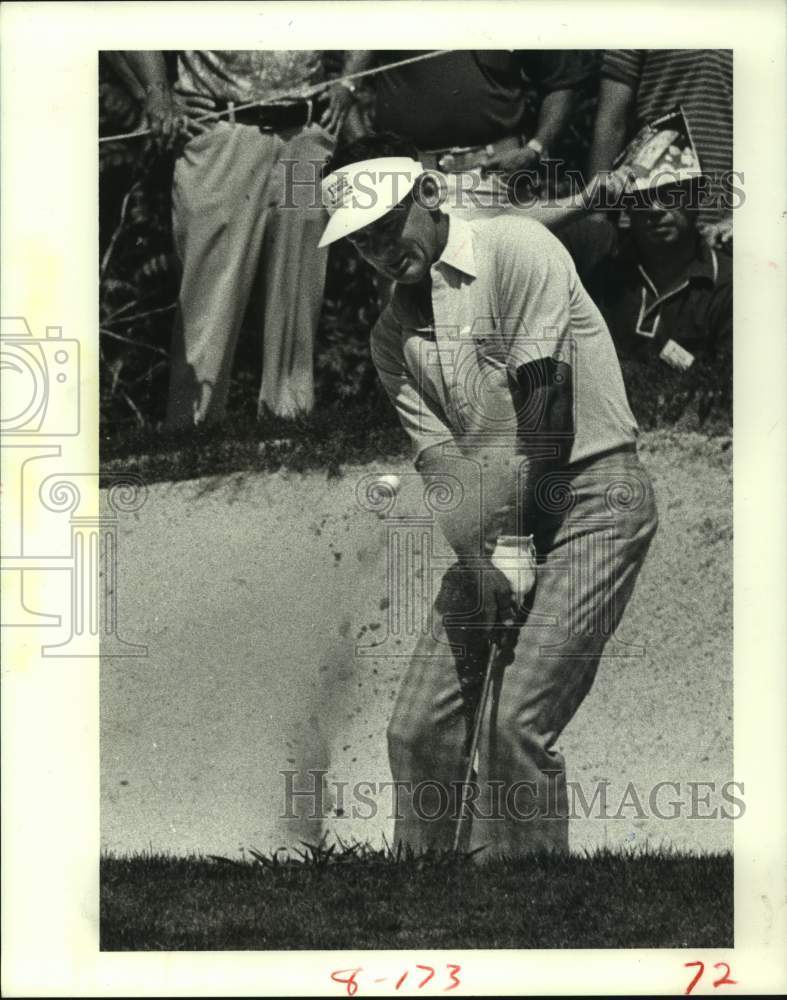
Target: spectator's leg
x,y
220,198
293,275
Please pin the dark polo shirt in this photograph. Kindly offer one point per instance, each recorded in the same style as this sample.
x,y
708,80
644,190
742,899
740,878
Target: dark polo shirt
x,y
469,97
695,311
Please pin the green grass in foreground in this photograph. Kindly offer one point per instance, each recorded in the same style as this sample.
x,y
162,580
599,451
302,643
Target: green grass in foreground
x,y
359,898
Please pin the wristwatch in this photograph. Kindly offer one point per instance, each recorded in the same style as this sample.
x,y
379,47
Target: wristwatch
x,y
349,85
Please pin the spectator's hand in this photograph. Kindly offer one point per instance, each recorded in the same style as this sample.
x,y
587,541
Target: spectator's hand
x,y
610,183
512,161
340,99
186,110
718,234
160,113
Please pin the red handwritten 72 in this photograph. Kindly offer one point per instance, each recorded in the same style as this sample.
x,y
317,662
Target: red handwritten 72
x,y
723,980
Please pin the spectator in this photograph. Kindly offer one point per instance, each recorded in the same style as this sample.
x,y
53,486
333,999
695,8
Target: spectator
x,y
236,242
639,85
470,110
665,294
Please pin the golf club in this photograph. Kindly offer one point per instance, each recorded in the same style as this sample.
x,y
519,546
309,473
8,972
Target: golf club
x,y
477,724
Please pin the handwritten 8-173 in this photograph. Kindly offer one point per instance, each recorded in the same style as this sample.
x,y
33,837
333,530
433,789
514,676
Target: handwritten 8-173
x,y
440,978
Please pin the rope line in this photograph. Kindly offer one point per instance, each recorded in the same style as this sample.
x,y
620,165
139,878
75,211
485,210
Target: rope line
x,y
287,97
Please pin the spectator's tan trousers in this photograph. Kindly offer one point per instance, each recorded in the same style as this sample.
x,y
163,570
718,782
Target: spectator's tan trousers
x,y
593,526
240,243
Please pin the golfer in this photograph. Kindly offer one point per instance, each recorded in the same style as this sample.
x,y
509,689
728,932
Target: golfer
x,y
505,378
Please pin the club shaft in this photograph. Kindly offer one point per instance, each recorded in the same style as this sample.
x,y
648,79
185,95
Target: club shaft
x,y
477,725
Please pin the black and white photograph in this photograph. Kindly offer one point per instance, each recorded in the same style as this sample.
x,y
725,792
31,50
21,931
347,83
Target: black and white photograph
x,y
406,562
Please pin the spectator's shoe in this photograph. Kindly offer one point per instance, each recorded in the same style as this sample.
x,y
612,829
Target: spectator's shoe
x,y
288,405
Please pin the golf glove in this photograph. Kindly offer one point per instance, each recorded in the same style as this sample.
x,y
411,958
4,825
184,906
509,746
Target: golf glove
x,y
515,557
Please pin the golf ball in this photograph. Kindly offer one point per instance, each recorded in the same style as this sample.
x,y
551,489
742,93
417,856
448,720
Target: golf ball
x,y
392,483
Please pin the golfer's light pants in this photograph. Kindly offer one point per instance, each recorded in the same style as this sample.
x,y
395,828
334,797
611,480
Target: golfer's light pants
x,y
593,524
239,243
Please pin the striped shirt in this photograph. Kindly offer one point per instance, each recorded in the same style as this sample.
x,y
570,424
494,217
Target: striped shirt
x,y
518,351
698,79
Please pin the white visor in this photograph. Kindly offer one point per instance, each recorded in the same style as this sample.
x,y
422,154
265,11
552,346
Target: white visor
x,y
361,193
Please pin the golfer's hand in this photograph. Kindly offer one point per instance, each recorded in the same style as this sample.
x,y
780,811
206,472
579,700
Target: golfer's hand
x,y
499,606
515,557
340,100
476,595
